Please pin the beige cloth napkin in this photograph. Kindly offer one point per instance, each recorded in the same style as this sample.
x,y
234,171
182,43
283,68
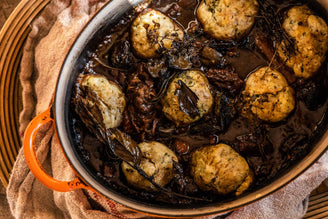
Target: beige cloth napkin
x,y
52,34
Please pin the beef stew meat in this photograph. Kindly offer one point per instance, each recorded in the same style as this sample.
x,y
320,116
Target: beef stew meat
x,y
208,108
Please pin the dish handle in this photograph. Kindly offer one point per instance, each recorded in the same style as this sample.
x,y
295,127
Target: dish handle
x,y
33,163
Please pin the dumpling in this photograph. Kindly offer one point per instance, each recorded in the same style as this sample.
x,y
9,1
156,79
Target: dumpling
x,y
157,162
152,31
227,19
194,82
309,33
221,169
110,99
268,96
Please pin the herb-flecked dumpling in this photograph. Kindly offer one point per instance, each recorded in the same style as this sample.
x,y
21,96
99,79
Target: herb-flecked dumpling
x,y
309,33
106,99
157,162
267,96
221,169
152,31
188,97
227,19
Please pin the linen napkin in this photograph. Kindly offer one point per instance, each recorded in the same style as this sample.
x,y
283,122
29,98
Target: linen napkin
x,y
52,34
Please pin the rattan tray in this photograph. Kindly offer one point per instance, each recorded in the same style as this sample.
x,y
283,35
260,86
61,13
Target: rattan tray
x,y
12,38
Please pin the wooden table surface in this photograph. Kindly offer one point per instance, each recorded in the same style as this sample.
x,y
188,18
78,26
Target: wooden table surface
x,y
318,207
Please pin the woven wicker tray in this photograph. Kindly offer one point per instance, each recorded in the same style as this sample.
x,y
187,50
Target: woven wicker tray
x,y
12,37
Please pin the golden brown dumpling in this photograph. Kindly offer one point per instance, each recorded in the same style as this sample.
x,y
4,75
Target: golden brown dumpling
x,y
199,85
152,30
221,169
111,98
227,19
309,33
157,162
268,96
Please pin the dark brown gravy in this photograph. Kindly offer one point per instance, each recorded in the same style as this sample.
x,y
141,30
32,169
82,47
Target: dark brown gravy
x,y
270,149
